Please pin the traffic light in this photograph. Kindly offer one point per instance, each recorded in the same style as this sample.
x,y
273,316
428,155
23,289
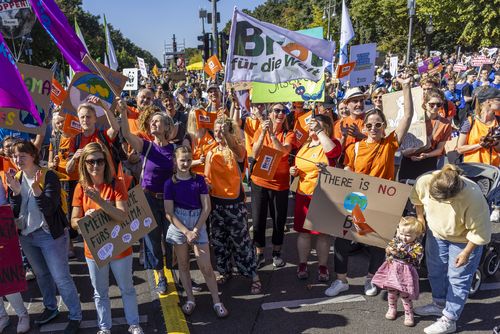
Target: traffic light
x,y
205,47
224,43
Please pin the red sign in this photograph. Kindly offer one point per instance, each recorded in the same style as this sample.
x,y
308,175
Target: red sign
x,y
12,277
71,125
58,93
481,60
459,67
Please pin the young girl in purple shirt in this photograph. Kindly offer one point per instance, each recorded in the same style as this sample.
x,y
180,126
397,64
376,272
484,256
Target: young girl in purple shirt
x,y
187,206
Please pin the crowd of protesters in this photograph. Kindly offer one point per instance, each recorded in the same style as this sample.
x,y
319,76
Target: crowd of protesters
x,y
193,181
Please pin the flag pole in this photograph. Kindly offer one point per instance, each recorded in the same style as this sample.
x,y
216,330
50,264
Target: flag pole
x,y
228,57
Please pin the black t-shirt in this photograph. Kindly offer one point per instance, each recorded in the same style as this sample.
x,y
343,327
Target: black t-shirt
x,y
467,91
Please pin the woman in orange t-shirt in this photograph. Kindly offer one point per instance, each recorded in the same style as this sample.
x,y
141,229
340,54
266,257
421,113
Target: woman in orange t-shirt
x,y
373,156
419,160
200,141
319,149
98,189
273,133
476,142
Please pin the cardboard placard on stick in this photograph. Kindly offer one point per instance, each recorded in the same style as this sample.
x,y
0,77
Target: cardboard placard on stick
x,y
106,238
12,276
38,80
394,110
267,163
354,206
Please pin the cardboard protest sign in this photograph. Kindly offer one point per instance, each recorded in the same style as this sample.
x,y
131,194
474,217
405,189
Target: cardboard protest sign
x,y
428,64
177,76
394,110
12,276
364,72
205,119
480,60
132,75
38,80
354,206
106,238
142,67
267,162
212,66
293,91
116,79
301,128
458,67
71,125
58,93
393,66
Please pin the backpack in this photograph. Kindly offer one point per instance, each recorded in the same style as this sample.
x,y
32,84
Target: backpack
x,y
115,149
64,194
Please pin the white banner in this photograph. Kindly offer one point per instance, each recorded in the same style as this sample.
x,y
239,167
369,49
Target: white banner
x,y
263,52
142,67
132,74
364,55
393,66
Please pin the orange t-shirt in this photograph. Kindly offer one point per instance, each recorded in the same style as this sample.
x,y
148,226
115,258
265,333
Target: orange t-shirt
x,y
281,179
201,147
251,125
374,159
133,120
348,121
119,193
224,179
5,165
440,130
63,155
452,111
308,172
478,130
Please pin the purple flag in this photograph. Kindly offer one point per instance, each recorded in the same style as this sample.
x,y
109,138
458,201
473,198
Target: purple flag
x,y
57,26
13,91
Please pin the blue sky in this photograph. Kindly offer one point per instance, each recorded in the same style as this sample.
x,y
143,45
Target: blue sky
x,y
148,23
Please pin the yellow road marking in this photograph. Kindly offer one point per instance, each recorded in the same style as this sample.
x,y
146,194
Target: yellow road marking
x,y
175,322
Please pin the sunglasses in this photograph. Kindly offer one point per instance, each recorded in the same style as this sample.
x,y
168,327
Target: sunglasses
x,y
377,125
279,111
377,97
432,105
96,162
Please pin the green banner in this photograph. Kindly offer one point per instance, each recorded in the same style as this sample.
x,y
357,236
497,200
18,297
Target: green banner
x,y
291,91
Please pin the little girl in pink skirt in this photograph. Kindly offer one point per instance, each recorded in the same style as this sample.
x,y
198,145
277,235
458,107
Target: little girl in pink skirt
x,y
398,274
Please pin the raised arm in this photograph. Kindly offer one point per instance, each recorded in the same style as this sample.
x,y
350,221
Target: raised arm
x,y
132,139
404,124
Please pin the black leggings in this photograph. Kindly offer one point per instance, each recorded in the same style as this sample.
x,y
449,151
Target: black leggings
x,y
342,249
261,198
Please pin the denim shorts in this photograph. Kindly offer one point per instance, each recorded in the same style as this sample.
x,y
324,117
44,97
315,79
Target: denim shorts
x,y
189,218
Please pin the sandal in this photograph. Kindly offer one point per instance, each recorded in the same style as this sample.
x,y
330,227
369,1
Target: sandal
x,y
222,279
256,287
323,274
188,308
220,310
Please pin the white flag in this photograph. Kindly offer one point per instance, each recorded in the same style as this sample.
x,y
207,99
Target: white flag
x,y
264,52
142,67
346,34
80,36
106,62
110,49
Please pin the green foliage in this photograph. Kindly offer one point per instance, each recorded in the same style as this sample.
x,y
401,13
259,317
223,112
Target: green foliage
x,y
45,52
193,55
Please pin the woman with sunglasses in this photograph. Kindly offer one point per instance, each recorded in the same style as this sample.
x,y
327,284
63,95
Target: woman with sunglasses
x,y
157,168
272,133
99,189
420,160
372,156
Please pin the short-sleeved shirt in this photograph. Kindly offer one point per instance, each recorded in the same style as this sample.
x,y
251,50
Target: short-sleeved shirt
x,y
159,166
251,125
201,147
63,154
84,140
439,129
180,119
186,193
281,179
374,159
474,134
348,121
108,193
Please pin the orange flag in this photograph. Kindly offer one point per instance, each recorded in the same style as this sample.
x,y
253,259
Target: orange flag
x,y
300,130
267,163
212,66
345,69
58,93
71,125
359,221
205,119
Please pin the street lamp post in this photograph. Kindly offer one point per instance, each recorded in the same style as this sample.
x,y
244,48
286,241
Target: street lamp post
x,y
329,12
429,30
203,16
411,13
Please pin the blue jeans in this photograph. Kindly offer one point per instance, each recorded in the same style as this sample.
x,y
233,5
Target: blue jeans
x,y
49,259
450,285
122,270
153,253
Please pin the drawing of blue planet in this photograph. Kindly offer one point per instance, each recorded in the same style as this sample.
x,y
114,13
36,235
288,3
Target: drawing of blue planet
x,y
354,198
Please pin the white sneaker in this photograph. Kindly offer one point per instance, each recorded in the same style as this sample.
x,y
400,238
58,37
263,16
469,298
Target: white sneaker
x,y
23,325
104,331
4,322
429,309
370,289
337,287
135,329
30,275
442,326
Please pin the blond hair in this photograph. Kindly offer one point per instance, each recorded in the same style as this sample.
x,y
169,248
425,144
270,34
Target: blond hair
x,y
412,224
87,106
145,117
447,183
91,148
233,127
